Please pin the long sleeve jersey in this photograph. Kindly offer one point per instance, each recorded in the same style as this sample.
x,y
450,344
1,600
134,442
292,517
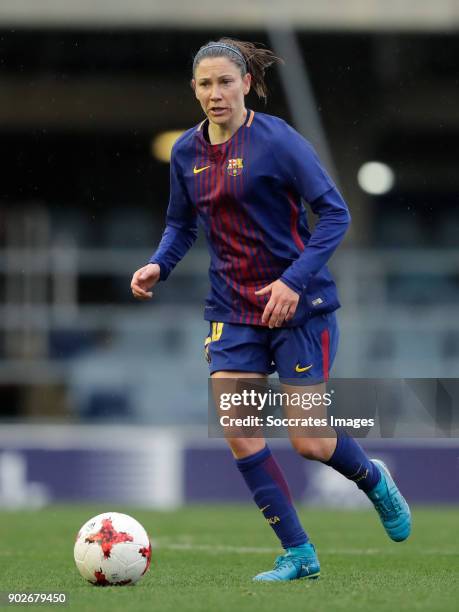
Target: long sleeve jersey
x,y
248,194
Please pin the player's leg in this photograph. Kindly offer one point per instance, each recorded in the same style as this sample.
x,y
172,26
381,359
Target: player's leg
x,y
270,491
326,444
243,347
316,345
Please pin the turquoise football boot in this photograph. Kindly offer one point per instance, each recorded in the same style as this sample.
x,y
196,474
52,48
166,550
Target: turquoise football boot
x,y
390,504
298,562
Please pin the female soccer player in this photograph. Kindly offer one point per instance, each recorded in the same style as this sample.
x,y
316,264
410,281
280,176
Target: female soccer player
x,y
244,175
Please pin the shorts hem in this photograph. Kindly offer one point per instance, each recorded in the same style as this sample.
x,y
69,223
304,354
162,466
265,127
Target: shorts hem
x,y
240,369
301,382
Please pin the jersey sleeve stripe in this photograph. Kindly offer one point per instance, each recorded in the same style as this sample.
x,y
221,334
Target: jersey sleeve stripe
x,y
294,213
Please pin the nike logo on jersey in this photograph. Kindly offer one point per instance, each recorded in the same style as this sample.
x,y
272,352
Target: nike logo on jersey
x,y
300,369
264,508
198,170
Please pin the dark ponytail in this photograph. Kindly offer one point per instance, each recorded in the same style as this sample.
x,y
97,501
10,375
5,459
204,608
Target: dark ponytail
x,y
249,57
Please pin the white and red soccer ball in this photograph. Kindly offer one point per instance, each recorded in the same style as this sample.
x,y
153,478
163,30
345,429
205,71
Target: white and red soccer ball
x,y
112,549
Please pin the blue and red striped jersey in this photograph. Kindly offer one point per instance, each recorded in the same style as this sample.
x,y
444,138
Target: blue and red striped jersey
x,y
248,195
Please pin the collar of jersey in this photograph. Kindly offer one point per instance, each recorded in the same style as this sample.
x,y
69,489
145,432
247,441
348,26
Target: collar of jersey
x,y
200,130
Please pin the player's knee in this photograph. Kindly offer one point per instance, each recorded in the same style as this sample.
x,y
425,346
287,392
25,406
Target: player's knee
x,y
309,448
244,447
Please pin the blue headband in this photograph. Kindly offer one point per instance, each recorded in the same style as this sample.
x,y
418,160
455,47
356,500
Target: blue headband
x,y
222,46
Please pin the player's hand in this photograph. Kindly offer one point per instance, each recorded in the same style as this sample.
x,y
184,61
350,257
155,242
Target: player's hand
x,y
281,305
143,280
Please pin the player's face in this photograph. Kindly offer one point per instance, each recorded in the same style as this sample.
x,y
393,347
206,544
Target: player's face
x,y
220,89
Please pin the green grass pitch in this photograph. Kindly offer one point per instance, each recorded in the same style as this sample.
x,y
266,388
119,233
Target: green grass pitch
x,y
204,558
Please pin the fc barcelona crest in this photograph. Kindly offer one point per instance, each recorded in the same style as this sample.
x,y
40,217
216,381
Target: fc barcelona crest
x,y
235,166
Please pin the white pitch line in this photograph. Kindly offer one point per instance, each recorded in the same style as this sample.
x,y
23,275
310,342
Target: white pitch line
x,y
217,548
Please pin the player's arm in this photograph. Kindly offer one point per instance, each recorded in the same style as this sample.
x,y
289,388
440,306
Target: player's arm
x,y
178,237
303,171
333,221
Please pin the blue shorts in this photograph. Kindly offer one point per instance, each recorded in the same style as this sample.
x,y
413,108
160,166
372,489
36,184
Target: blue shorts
x,y
297,353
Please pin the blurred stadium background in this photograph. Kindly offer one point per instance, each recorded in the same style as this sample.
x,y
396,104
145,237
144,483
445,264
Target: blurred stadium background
x,y
105,399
